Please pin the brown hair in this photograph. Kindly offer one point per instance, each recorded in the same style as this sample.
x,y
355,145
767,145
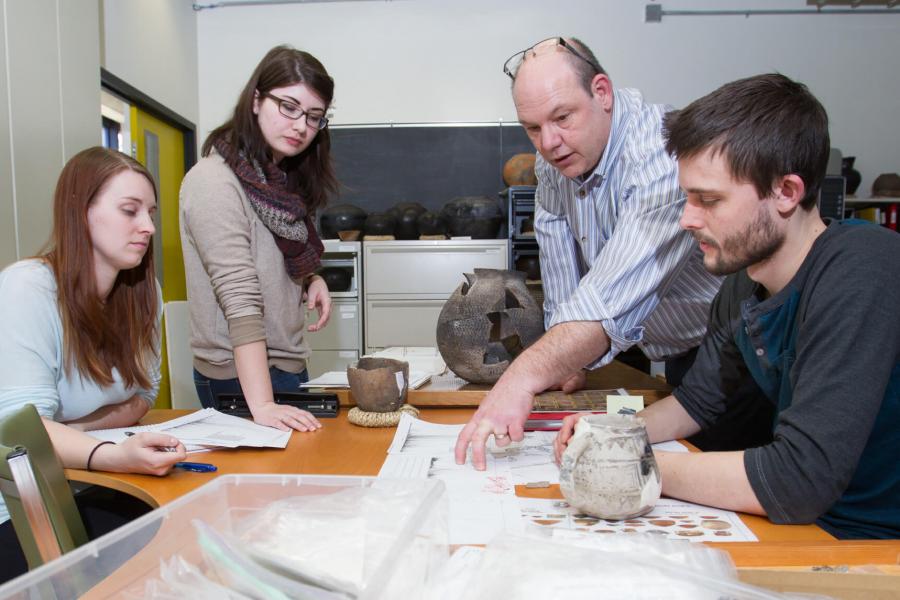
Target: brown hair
x,y
310,173
98,337
766,126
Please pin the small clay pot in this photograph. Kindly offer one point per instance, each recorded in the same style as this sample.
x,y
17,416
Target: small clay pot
x,y
338,279
340,217
373,383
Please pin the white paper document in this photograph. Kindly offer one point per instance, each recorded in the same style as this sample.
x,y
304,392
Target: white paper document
x,y
338,379
483,503
205,428
424,359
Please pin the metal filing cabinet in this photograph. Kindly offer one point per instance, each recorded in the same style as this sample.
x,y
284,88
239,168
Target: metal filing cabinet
x,y
341,342
407,282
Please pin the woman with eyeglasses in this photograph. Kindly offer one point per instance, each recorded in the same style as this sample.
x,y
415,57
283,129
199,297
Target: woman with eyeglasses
x,y
250,245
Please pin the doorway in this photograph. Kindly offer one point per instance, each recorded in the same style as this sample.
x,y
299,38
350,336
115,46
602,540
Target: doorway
x,y
165,143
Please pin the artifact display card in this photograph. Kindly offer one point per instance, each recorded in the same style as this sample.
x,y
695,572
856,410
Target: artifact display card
x,y
673,519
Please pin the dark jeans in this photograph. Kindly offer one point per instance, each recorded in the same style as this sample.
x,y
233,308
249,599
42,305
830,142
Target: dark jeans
x,y
208,389
102,510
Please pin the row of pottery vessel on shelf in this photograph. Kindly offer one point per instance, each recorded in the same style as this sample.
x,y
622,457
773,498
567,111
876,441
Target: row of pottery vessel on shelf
x,y
477,217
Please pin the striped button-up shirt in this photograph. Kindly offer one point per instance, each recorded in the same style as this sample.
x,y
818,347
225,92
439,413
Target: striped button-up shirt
x,y
611,248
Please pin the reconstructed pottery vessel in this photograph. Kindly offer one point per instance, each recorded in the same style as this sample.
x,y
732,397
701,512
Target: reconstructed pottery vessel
x,y
486,323
374,383
608,470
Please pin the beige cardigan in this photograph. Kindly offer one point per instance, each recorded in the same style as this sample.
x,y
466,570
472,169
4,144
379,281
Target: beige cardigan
x,y
238,288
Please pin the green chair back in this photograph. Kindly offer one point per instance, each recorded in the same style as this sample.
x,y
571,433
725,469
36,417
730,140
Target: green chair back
x,y
24,430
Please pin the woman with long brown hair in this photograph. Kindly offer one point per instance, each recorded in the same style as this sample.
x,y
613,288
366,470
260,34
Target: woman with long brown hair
x,y
249,242
79,328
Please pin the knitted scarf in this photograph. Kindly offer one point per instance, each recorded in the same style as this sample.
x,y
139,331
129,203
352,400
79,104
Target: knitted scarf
x,y
283,212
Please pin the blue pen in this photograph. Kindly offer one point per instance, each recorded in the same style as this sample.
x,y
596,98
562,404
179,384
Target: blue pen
x,y
196,467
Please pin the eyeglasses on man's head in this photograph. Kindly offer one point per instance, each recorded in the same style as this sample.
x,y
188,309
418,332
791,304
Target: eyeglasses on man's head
x,y
512,64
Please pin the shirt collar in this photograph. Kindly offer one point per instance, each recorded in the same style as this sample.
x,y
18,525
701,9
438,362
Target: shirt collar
x,y
613,144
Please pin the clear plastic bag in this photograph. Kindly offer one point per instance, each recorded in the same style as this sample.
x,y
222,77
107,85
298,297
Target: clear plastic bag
x,y
631,567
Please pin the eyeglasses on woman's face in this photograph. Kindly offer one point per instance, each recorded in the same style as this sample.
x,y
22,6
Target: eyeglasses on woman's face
x,y
294,111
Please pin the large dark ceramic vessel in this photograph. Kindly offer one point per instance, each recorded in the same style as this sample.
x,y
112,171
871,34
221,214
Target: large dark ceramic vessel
x,y
531,266
478,217
851,175
337,279
402,207
432,224
486,323
340,217
380,224
407,227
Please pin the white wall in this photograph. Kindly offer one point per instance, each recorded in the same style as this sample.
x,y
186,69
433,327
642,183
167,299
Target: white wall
x,y
49,110
440,60
152,45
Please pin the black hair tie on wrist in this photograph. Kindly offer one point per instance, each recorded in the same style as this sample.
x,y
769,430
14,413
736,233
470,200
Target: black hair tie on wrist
x,y
91,455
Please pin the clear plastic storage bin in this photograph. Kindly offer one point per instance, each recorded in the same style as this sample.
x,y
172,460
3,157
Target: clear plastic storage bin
x,y
359,536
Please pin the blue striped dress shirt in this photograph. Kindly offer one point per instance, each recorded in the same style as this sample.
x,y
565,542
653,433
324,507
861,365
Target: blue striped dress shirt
x,y
611,248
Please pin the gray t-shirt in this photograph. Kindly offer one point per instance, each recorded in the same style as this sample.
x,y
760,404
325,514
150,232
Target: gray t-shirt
x,y
825,351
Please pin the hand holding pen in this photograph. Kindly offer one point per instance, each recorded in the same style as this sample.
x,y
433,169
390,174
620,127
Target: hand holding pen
x,y
145,452
196,467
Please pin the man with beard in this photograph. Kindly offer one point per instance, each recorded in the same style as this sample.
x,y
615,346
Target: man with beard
x,y
808,313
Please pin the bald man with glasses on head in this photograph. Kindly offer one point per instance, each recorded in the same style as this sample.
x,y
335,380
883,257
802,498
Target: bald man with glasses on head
x,y
617,269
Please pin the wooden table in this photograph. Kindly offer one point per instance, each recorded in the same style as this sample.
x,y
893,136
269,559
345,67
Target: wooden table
x,y
345,449
447,390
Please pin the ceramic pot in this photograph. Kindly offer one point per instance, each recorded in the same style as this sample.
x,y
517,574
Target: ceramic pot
x,y
519,170
477,217
407,227
531,266
887,184
608,469
380,224
431,224
340,217
402,207
851,175
337,279
486,323
379,384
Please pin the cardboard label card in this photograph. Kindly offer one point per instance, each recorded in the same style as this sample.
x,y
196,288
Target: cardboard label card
x,y
625,405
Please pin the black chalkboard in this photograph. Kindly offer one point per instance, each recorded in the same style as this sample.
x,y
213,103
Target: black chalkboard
x,y
380,166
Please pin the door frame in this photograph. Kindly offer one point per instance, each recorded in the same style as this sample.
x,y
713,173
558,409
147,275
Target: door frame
x,y
131,94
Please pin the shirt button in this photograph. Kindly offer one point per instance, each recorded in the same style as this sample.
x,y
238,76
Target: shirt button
x,y
760,351
581,193
584,238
